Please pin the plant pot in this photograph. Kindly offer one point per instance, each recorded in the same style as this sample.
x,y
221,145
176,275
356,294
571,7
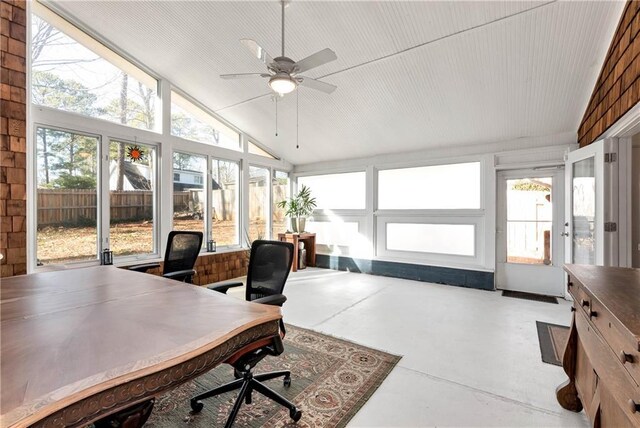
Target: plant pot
x,y
302,222
294,224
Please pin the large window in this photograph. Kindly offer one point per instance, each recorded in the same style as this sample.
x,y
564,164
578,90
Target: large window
x,y
258,202
337,191
256,150
225,215
74,73
98,169
455,239
193,123
67,179
455,186
280,192
188,191
132,183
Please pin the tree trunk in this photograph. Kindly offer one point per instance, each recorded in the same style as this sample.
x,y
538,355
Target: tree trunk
x,y
123,120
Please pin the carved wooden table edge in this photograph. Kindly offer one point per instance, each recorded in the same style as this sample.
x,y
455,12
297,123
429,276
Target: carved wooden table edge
x,y
124,396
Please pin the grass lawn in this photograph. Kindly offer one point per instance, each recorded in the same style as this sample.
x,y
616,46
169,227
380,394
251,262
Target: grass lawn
x,y
59,244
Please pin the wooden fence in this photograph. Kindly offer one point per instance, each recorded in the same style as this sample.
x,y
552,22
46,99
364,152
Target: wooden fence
x,y
78,206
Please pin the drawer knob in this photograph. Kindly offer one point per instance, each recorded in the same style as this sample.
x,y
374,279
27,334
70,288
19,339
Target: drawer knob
x,y
570,284
625,358
633,406
585,303
593,314
573,309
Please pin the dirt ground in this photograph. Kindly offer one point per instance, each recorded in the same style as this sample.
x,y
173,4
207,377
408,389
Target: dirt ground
x,y
66,244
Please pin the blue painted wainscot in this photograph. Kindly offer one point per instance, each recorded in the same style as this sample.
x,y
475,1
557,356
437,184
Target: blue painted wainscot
x,y
439,275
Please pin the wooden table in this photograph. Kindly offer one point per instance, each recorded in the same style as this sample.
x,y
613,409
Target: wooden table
x,y
602,357
81,344
309,240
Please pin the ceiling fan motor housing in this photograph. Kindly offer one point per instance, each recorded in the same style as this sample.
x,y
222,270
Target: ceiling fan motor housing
x,y
282,64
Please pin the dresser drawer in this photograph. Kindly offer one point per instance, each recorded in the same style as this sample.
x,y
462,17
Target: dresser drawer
x,y
614,337
582,300
615,414
611,378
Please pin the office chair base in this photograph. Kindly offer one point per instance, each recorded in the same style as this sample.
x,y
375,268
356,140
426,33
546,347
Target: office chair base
x,y
247,384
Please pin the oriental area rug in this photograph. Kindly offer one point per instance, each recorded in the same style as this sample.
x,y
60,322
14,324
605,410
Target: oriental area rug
x,y
331,379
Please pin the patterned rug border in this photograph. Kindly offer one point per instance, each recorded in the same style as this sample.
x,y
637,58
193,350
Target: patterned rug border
x,y
332,379
395,359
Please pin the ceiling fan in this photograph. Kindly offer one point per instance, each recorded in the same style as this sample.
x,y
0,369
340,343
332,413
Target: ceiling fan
x,y
284,74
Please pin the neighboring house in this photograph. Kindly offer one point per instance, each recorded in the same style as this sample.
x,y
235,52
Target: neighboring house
x,y
138,177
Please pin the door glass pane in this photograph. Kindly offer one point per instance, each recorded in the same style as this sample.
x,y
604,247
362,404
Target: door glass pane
x,y
258,202
529,220
280,193
67,176
131,187
224,202
189,174
583,212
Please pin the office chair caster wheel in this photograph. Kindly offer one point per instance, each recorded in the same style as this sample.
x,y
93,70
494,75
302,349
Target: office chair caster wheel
x,y
196,406
287,381
295,414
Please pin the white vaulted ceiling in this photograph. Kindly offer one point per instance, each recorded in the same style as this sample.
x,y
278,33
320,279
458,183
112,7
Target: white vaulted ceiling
x,y
410,75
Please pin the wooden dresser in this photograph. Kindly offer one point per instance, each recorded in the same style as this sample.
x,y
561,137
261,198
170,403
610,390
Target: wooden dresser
x,y
602,357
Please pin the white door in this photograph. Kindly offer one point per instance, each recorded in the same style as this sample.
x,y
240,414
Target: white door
x,y
529,249
591,236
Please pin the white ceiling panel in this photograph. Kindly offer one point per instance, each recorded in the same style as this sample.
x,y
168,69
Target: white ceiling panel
x,y
410,75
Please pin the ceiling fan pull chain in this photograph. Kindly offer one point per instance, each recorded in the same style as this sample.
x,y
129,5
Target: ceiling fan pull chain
x,y
297,119
276,99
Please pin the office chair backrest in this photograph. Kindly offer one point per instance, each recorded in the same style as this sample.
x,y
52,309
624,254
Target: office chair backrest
x,y
183,248
269,266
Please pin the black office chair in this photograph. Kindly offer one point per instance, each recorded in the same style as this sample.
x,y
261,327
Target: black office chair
x,y
183,248
269,266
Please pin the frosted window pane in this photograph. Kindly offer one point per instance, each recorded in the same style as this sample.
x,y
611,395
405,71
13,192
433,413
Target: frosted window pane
x,y
337,191
457,239
455,186
334,233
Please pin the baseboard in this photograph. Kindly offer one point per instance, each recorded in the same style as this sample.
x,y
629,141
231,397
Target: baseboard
x,y
436,274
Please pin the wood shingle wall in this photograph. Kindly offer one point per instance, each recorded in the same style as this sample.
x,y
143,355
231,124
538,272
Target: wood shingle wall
x,y
618,87
13,143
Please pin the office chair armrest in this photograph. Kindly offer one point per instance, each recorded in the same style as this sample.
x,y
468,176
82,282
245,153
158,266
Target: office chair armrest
x,y
273,300
223,287
180,274
144,267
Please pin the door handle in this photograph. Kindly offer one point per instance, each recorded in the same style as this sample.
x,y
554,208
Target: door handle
x,y
564,234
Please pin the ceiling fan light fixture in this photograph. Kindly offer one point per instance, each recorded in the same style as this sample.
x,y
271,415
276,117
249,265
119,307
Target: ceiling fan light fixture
x,y
282,83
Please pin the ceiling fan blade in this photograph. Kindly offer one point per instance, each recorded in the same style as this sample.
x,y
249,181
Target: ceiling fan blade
x,y
243,75
257,51
316,60
316,84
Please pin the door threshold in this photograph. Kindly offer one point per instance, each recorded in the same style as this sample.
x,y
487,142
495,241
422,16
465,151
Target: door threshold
x,y
530,296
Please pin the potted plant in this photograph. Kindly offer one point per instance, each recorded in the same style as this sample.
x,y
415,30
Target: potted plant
x,y
298,208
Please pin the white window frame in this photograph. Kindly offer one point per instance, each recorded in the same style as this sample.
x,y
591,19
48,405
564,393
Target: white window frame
x,y
165,144
106,201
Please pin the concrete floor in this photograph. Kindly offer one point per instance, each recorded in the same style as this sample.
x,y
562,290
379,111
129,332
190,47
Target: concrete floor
x,y
470,357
